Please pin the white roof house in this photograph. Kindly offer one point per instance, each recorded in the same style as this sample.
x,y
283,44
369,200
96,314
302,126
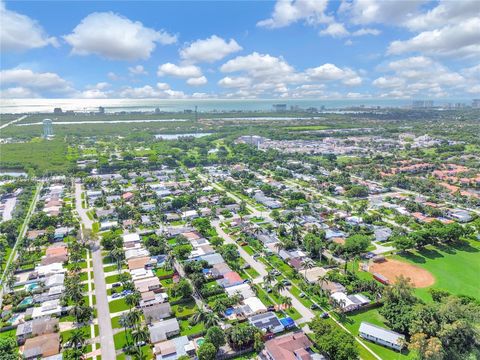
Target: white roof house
x,y
255,305
46,270
190,214
349,302
141,273
243,289
108,225
162,330
135,253
51,307
131,238
381,336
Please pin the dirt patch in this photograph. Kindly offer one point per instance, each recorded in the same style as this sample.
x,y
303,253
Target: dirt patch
x,y
391,269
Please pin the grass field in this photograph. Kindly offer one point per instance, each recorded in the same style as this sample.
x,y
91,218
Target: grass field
x,y
306,128
352,323
456,269
39,156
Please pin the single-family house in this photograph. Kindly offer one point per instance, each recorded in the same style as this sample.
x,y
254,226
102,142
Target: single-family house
x,y
294,346
267,322
157,312
174,348
162,330
36,327
148,284
42,346
381,336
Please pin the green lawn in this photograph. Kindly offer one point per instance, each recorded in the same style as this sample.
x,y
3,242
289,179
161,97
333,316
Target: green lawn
x,y
185,309
252,272
455,269
111,279
117,305
187,329
352,323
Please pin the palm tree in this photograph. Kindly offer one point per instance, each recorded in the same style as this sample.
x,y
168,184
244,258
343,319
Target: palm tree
x,y
140,335
199,316
169,262
77,339
307,264
269,278
126,323
287,301
132,299
279,246
211,319
279,287
134,318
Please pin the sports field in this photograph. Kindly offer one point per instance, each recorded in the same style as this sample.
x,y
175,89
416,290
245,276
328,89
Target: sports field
x,y
456,269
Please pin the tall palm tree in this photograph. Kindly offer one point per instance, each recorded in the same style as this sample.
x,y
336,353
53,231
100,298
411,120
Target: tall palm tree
x,y
198,316
269,278
307,264
211,319
134,318
77,339
126,323
132,299
287,301
279,287
279,246
140,335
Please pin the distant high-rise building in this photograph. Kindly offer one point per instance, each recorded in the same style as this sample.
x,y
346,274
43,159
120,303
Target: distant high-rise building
x,y
101,110
279,107
58,111
47,128
476,103
422,104
157,110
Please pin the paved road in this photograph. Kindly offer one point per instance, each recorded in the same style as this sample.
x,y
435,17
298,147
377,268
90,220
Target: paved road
x,y
258,266
107,345
81,211
12,122
21,235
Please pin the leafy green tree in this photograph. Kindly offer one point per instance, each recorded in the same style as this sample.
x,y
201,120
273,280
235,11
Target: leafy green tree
x,y
403,243
216,336
426,348
182,289
207,351
398,305
333,341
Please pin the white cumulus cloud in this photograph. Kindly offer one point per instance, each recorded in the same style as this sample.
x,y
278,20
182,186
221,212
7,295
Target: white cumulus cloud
x,y
116,37
181,71
197,81
209,50
18,32
137,70
287,12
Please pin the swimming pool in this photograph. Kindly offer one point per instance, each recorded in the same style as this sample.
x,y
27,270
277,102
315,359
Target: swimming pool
x,y
27,301
229,311
200,341
14,319
32,286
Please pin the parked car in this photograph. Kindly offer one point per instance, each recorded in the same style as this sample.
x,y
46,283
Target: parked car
x,y
314,306
116,295
114,285
286,282
324,315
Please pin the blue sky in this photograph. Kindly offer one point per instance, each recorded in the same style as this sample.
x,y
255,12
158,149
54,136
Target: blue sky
x,y
249,49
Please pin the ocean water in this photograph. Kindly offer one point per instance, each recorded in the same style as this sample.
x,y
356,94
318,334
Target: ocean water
x,y
18,106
